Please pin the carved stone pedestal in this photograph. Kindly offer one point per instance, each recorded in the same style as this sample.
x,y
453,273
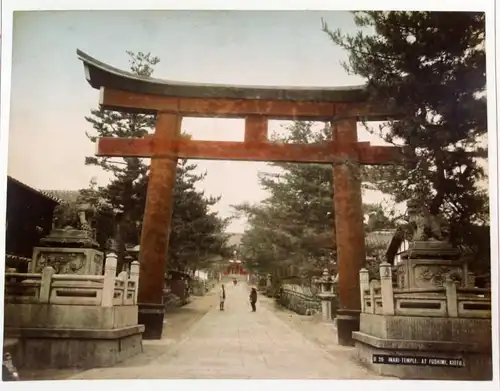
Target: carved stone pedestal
x,y
73,336
425,265
68,251
434,324
67,260
468,341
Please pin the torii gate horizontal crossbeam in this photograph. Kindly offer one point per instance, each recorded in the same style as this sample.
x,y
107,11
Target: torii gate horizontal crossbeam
x,y
113,99
244,151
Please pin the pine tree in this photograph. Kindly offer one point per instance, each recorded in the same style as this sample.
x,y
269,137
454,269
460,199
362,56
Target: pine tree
x,y
379,218
431,66
197,237
295,224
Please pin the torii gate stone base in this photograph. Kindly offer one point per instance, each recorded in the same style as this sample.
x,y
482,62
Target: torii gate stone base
x,y
171,101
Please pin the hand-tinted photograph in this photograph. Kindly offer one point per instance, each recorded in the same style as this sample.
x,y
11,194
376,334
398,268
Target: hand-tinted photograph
x,y
248,195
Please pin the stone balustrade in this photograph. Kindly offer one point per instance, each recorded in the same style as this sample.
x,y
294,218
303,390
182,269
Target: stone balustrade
x,y
47,287
73,320
382,298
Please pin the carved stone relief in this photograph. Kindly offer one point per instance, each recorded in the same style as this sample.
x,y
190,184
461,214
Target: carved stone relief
x,y
98,261
437,275
63,263
401,277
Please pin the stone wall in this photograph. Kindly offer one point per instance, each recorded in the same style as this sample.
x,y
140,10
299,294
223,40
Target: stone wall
x,y
301,299
201,287
198,287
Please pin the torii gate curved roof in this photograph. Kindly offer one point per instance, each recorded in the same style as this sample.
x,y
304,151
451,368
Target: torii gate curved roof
x,y
99,75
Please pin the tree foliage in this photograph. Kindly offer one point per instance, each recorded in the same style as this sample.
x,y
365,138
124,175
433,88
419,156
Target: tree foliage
x,y
197,234
379,218
294,225
198,237
431,67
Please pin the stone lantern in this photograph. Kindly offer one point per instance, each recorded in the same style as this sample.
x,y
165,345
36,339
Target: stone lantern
x,y
128,262
269,281
326,293
131,255
134,252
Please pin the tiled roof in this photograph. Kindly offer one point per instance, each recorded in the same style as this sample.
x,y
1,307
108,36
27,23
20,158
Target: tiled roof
x,y
235,239
11,257
62,196
51,197
68,196
380,238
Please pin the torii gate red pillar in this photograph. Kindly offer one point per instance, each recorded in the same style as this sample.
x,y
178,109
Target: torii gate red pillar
x,y
349,229
157,217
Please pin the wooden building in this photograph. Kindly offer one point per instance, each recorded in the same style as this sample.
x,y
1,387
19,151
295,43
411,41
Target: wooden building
x,y
29,216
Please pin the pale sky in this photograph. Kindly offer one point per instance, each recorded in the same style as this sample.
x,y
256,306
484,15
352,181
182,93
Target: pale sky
x,y
50,96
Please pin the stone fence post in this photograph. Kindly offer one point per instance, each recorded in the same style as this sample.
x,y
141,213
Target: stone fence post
x,y
123,277
374,284
364,284
134,276
108,289
45,284
451,298
386,288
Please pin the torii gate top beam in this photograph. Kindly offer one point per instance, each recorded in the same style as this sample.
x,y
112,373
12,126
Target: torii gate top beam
x,y
124,91
99,75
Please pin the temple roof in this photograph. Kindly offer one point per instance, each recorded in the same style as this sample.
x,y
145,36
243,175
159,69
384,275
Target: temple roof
x,y
380,239
99,75
58,196
42,193
235,239
62,196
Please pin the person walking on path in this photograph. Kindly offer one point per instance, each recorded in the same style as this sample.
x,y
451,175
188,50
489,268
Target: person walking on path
x,y
222,297
253,299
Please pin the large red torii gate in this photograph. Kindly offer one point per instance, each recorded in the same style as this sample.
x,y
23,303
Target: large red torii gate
x,y
170,101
